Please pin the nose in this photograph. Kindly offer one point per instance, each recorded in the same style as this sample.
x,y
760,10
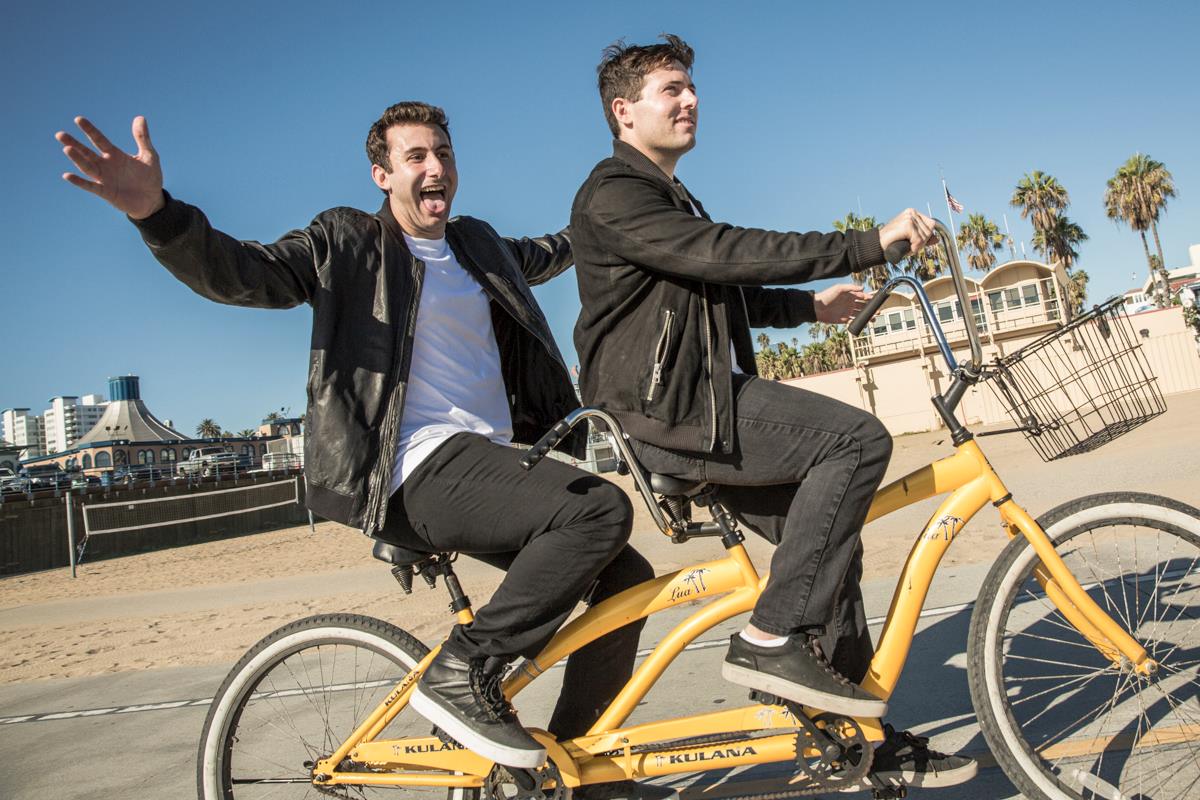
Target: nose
x,y
434,167
689,98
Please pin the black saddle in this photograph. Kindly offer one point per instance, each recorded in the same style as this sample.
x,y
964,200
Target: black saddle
x,y
675,487
396,555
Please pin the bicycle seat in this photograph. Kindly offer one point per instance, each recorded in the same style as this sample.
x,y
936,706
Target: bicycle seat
x,y
674,487
397,556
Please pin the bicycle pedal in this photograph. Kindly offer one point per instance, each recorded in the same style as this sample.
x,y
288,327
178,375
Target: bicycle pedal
x,y
766,698
890,793
446,738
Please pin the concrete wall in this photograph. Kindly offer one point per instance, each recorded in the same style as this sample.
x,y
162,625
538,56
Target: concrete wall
x,y
899,391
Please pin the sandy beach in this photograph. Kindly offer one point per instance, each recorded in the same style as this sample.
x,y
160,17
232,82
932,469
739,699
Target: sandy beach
x,y
207,603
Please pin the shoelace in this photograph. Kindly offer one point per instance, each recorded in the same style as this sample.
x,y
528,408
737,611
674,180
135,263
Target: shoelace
x,y
819,654
486,687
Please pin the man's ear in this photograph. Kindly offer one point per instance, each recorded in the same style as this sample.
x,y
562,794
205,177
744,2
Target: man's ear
x,y
622,111
381,177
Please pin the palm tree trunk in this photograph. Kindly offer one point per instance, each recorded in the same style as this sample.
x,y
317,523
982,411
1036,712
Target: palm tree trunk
x,y
1159,300
1163,277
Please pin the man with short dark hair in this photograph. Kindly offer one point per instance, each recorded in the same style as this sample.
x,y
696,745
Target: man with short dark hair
x,y
429,357
669,298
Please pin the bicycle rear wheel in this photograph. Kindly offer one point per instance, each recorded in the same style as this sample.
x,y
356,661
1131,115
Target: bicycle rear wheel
x,y
294,698
1061,719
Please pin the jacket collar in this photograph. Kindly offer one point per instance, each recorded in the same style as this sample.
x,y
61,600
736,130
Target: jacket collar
x,y
635,158
389,221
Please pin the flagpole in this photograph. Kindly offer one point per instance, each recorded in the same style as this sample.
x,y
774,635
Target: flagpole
x,y
1011,249
950,214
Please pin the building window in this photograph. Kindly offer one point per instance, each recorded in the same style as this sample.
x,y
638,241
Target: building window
x,y
187,453
880,327
264,449
1013,297
996,300
945,312
910,321
167,454
1030,293
87,461
895,321
141,456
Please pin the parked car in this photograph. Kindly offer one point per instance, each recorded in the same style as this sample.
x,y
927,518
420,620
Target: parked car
x,y
208,461
11,483
275,462
82,481
132,473
48,476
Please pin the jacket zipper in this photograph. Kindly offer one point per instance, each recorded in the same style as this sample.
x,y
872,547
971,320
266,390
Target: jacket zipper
x,y
712,393
660,352
376,495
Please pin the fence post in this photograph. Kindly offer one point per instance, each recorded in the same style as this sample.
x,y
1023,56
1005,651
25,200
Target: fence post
x,y
70,529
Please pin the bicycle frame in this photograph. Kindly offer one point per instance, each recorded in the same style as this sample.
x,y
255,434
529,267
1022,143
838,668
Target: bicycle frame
x,y
731,585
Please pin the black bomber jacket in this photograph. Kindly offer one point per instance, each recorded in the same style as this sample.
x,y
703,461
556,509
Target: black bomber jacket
x,y
664,293
364,285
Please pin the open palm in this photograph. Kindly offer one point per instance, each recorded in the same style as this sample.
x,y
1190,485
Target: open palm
x,y
131,183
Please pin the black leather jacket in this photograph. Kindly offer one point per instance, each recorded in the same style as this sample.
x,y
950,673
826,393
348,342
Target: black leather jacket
x,y
664,293
355,271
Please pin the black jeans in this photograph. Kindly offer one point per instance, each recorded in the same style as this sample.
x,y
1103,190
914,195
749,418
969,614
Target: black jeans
x,y
560,534
802,475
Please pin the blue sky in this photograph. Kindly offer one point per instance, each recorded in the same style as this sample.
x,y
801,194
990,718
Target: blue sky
x,y
259,111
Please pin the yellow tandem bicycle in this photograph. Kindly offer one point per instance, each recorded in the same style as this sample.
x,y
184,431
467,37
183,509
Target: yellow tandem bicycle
x,y
1083,648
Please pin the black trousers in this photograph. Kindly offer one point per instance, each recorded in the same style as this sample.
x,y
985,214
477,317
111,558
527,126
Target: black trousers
x,y
802,474
560,534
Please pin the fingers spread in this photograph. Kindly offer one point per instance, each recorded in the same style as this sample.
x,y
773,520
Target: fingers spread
x,y
83,159
86,185
98,139
141,135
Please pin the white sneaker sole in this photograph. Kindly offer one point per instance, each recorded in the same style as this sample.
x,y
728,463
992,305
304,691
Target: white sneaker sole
x,y
925,780
462,733
802,694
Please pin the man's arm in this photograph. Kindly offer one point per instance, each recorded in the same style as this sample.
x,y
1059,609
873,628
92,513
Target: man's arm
x,y
635,219
215,265
788,308
543,257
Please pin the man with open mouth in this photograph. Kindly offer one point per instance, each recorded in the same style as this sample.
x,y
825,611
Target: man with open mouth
x,y
429,356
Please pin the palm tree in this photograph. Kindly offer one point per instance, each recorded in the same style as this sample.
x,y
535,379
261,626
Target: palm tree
x,y
980,237
1040,196
246,433
1059,240
764,359
208,429
1136,195
1077,291
272,416
925,264
877,276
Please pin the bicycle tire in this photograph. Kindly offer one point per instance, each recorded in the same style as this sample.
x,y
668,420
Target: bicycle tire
x,y
294,697
1141,738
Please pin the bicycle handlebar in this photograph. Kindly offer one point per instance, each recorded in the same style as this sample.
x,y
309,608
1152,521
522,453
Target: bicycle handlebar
x,y
894,254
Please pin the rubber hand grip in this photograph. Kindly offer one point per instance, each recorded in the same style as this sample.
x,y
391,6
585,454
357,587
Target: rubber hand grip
x,y
860,321
897,251
545,444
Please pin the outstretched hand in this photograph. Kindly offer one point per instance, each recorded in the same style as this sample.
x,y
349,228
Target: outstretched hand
x,y
132,184
840,303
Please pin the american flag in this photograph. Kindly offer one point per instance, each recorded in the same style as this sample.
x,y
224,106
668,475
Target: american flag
x,y
950,201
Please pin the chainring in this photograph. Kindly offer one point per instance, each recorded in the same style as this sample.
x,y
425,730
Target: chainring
x,y
849,768
501,785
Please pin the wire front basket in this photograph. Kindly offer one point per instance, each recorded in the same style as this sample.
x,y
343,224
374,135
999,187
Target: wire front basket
x,y
1081,386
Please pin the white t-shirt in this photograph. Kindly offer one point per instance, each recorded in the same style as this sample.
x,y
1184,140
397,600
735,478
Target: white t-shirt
x,y
454,379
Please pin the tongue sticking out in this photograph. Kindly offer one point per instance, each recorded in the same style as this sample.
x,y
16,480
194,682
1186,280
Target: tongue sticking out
x,y
434,203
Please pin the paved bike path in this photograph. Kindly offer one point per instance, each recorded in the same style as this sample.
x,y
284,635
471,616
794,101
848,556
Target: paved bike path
x,y
134,735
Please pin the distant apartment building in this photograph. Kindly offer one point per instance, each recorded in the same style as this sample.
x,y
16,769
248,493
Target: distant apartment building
x,y
23,430
1183,283
69,418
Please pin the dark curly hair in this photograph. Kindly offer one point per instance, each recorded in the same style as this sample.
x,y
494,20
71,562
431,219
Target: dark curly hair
x,y
623,69
409,112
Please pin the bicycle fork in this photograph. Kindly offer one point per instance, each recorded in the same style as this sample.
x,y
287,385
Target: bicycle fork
x,y
1064,590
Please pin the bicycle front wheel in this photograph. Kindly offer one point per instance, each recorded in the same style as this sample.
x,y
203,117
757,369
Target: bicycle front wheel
x,y
294,698
1061,719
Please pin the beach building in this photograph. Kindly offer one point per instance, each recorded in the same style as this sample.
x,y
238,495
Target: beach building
x,y
24,431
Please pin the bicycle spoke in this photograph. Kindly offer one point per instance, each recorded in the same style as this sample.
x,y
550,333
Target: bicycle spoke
x,y
1058,688
1052,639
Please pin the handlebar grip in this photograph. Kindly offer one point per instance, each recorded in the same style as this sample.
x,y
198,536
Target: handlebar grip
x,y
545,444
897,251
860,321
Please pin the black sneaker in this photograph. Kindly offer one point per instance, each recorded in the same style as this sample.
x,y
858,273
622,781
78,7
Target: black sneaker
x,y
793,671
624,790
465,701
903,758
